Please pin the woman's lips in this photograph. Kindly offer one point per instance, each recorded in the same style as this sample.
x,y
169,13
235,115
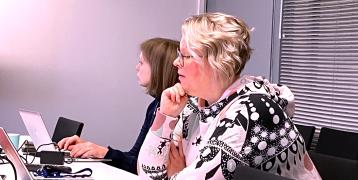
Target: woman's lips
x,y
181,77
180,74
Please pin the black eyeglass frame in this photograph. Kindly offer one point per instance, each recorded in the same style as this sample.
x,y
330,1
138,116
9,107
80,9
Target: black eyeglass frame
x,y
182,57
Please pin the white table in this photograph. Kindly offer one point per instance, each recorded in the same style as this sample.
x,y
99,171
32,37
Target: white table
x,y
103,171
100,171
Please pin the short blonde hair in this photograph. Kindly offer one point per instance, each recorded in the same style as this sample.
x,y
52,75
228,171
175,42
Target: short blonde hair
x,y
224,40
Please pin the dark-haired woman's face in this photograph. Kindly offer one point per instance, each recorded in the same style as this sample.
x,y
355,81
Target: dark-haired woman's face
x,y
143,71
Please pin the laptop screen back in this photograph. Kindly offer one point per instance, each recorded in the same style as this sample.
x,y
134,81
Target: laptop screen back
x,y
37,130
13,156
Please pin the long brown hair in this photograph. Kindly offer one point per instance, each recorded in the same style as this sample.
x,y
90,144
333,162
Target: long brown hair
x,y
160,54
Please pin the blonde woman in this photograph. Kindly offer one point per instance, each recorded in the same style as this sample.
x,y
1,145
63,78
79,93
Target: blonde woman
x,y
216,119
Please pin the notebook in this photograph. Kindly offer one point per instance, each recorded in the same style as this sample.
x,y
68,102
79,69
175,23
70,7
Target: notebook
x,y
22,172
40,136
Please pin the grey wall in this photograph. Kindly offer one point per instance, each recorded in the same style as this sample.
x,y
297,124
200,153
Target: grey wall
x,y
77,59
258,15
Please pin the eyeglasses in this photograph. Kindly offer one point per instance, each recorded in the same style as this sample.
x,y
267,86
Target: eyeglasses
x,y
182,57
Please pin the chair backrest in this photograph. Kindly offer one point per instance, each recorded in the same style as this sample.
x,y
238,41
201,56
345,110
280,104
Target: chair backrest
x,y
338,143
335,168
307,133
249,173
66,127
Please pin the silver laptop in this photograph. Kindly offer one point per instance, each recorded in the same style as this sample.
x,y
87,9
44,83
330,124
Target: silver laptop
x,y
21,171
37,130
40,136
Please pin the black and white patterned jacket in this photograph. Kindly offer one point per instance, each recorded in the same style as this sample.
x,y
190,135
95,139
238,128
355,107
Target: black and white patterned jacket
x,y
249,125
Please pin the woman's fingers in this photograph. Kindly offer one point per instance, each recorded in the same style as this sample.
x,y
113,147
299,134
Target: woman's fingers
x,y
70,147
171,158
173,149
88,150
172,94
65,143
180,89
180,92
88,154
71,141
173,100
80,149
77,150
176,93
61,143
181,152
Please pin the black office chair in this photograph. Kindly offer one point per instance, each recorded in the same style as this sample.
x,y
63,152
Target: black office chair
x,y
334,168
338,143
307,133
66,127
249,173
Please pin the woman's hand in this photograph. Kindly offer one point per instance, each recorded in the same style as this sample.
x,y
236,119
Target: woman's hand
x,y
88,150
176,159
173,100
68,142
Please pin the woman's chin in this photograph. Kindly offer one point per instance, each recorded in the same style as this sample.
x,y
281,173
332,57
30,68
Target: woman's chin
x,y
186,90
181,78
142,84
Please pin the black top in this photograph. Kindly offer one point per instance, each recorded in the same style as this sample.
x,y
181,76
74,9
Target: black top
x,y
128,160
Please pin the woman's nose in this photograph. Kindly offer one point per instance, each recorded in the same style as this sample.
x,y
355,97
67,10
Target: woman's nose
x,y
137,67
176,62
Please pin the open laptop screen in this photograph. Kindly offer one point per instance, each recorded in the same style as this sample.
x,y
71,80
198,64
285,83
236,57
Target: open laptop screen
x,y
22,172
13,156
39,134
37,130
